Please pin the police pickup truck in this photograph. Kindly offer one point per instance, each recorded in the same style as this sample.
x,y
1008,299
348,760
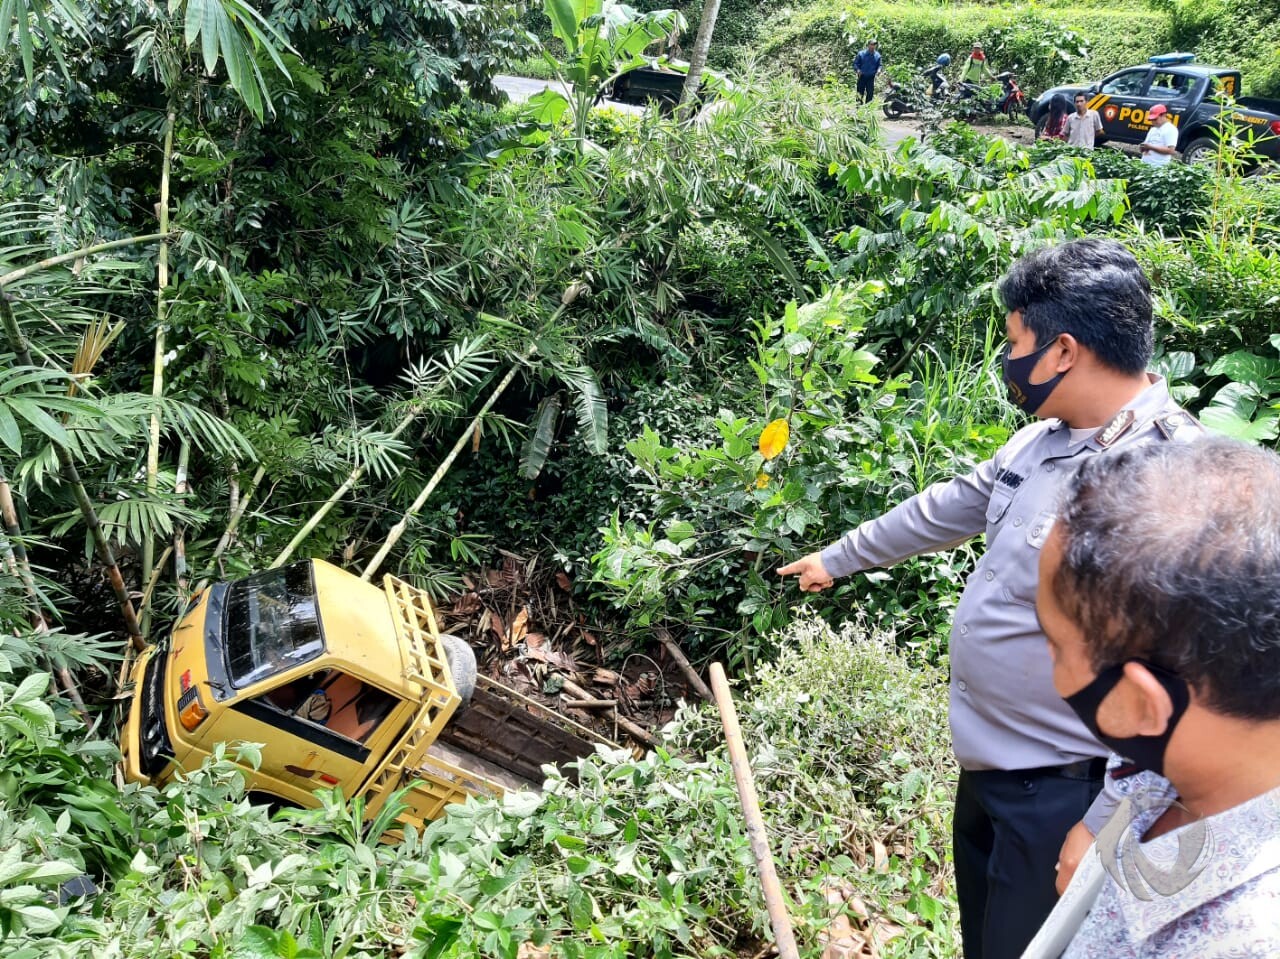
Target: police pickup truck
x,y
1197,97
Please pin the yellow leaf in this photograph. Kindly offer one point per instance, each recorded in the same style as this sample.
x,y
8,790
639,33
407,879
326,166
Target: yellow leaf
x,y
774,439
762,480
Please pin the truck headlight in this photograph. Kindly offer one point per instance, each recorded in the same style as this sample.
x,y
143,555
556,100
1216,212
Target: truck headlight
x,y
191,711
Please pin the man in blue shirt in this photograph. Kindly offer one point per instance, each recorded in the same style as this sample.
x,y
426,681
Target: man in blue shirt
x,y
867,65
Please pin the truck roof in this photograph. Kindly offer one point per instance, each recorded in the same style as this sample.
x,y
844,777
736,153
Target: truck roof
x,y
359,629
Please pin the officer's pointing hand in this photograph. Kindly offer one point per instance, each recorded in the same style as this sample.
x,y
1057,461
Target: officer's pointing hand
x,y
814,577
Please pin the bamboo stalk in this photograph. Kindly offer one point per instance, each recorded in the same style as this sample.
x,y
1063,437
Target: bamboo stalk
x,y
237,511
783,936
332,501
182,488
682,661
156,573
23,350
157,370
397,531
14,275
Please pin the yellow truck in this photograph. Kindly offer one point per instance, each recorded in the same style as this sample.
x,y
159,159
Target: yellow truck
x,y
347,685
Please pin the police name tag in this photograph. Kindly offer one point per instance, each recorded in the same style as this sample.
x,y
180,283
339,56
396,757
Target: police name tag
x,y
1118,426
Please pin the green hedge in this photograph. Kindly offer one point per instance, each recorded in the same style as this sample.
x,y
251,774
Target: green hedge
x,y
1235,35
818,41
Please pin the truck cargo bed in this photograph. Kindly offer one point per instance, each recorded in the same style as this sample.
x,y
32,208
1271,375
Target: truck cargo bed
x,y
505,729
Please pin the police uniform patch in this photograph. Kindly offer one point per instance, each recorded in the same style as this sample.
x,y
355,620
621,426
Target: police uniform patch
x,y
1179,426
1119,425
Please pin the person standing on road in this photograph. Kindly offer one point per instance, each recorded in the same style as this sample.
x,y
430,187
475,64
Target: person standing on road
x,y
1079,328
867,65
976,69
1159,592
1162,139
1084,125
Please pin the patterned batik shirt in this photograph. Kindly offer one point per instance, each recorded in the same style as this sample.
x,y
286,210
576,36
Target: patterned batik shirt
x,y
1206,890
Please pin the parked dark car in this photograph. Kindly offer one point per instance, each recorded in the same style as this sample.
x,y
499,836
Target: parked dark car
x,y
1195,95
661,84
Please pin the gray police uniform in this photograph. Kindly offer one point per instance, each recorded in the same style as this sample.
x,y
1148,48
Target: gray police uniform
x,y
1005,712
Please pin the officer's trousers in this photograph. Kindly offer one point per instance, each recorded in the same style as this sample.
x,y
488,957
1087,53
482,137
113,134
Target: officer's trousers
x,y
1008,829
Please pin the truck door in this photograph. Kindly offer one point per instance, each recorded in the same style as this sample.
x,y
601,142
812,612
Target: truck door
x,y
1174,89
323,729
1117,102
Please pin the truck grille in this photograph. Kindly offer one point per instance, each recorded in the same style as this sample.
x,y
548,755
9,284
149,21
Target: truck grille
x,y
155,749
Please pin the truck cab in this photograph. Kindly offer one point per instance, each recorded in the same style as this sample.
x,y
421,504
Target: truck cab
x,y
346,685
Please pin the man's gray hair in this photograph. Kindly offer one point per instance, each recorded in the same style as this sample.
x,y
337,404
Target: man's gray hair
x,y
1171,553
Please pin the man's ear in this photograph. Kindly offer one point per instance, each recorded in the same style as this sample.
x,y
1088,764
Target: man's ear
x,y
1148,702
1069,354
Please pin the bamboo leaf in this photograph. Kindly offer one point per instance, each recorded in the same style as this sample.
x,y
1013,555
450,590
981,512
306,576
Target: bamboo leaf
x,y
537,447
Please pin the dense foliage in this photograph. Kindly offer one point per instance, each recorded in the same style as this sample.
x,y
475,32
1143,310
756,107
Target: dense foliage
x,y
643,857
268,280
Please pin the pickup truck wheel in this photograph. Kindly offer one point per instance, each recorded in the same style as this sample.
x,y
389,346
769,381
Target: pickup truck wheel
x,y
462,666
1041,124
1201,150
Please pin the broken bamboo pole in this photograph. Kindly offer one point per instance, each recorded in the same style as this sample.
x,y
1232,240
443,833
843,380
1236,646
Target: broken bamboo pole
x,y
638,732
783,936
682,661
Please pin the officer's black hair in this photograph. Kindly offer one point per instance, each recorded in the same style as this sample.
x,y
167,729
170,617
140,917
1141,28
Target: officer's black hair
x,y
1171,554
1093,289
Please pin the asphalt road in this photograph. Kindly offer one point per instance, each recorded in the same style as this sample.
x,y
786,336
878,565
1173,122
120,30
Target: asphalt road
x,y
895,131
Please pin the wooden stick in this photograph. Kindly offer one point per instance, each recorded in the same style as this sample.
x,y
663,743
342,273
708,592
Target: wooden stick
x,y
591,703
778,917
639,732
682,661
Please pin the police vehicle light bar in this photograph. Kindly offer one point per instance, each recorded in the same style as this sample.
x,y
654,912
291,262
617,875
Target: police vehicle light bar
x,y
1169,59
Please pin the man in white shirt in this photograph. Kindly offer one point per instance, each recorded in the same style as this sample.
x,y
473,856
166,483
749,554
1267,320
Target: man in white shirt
x,y
1083,125
1162,139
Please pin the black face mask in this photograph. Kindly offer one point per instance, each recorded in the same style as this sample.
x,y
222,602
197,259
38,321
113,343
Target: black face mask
x,y
1022,392
1145,752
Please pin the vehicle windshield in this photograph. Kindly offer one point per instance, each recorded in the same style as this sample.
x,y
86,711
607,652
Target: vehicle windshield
x,y
271,623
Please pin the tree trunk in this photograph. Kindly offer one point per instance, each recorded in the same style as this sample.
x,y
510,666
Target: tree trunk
x,y
23,350
698,59
157,372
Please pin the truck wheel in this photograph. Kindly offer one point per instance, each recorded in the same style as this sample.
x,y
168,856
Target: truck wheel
x,y
462,666
1041,124
1201,150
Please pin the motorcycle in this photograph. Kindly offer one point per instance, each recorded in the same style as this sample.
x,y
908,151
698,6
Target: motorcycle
x,y
912,97
1012,102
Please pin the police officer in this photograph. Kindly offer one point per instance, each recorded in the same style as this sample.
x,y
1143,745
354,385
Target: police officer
x,y
1079,328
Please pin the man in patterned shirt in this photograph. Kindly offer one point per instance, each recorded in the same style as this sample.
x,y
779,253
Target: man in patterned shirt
x,y
1160,599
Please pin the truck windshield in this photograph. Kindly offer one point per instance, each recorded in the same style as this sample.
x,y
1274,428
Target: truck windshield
x,y
271,623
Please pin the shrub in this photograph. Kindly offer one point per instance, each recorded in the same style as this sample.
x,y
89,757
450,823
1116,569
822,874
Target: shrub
x,y
1246,36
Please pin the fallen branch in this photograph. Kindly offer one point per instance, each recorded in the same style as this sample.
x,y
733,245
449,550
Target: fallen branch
x,y
682,661
591,703
638,732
